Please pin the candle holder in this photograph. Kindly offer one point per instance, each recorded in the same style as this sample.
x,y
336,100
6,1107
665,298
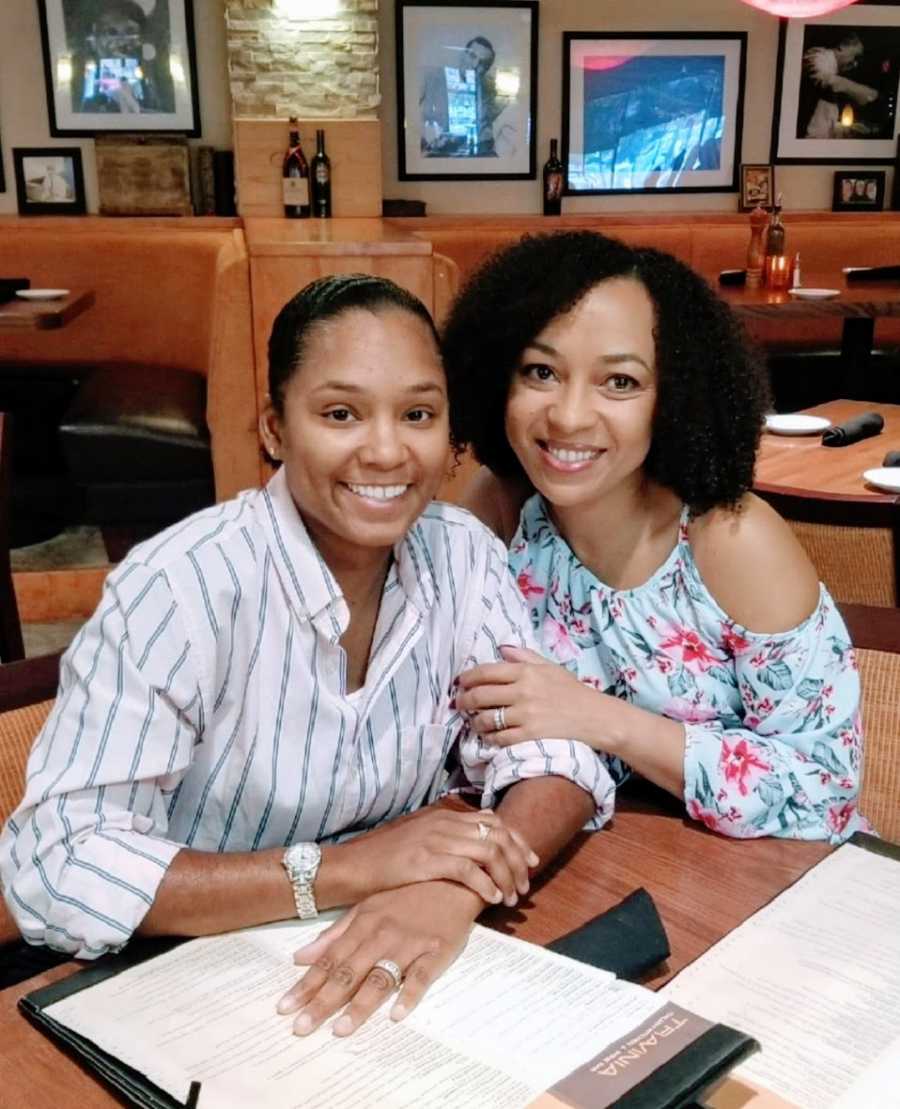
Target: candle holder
x,y
778,274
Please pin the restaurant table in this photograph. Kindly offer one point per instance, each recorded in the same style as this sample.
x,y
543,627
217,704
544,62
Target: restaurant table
x,y
859,304
45,315
703,884
799,465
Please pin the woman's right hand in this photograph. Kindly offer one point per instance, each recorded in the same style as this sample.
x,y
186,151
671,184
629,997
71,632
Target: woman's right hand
x,y
474,849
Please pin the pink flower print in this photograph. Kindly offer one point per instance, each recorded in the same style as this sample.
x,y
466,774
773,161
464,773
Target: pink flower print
x,y
594,683
557,640
651,621
732,642
630,675
846,783
687,645
703,816
517,548
839,816
681,709
740,762
824,778
802,799
665,665
579,627
528,587
758,661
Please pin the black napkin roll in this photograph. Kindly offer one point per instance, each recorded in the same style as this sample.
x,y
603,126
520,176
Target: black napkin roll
x,y
892,458
851,431
629,939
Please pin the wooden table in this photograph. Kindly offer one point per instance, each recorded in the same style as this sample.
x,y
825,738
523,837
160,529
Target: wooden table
x,y
45,315
859,304
704,885
799,465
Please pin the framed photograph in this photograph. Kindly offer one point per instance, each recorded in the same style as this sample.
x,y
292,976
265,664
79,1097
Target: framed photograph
x,y
836,86
757,186
49,181
120,65
858,190
466,90
655,112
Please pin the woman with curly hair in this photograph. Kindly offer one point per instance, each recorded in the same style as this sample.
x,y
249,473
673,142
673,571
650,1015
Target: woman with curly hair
x,y
617,410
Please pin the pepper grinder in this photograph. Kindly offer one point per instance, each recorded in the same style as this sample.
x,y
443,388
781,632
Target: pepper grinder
x,y
759,220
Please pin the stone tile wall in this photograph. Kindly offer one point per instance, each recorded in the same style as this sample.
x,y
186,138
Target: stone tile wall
x,y
287,58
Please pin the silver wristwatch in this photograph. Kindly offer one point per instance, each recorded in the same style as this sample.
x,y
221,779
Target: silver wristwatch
x,y
301,861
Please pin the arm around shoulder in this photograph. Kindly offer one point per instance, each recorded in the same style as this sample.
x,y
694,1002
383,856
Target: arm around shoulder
x,y
754,567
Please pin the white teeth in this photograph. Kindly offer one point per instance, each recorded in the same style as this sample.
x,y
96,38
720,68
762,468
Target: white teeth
x,y
378,492
572,456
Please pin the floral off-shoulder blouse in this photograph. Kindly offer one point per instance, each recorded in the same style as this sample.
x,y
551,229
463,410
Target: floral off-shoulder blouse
x,y
773,733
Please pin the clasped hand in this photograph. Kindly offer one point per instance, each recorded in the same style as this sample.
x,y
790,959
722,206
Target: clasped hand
x,y
539,699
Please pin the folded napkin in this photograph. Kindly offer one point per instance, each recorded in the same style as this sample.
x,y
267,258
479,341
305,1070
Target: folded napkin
x,y
851,431
892,458
628,939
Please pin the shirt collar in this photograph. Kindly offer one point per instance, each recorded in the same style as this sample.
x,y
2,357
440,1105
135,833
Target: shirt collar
x,y
311,587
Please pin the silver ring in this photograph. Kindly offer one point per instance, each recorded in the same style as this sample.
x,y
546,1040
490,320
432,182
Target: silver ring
x,y
499,719
484,830
392,970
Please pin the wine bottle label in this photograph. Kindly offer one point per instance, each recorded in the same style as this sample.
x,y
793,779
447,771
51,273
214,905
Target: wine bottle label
x,y
295,190
322,174
553,186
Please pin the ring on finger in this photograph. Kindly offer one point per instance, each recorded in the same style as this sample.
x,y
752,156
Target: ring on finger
x,y
392,970
499,719
484,830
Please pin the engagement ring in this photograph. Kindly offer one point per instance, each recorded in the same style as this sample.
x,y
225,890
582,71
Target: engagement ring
x,y
484,830
499,719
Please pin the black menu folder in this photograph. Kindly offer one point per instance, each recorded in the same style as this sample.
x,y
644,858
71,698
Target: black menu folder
x,y
688,1059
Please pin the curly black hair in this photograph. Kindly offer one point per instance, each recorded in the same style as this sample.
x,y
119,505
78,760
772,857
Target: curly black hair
x,y
712,391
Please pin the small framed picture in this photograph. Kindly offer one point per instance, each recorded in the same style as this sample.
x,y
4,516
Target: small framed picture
x,y
757,186
49,181
466,90
858,190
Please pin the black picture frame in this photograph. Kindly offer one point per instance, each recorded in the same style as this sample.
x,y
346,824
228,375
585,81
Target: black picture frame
x,y
148,83
858,190
753,174
877,25
62,172
649,50
446,144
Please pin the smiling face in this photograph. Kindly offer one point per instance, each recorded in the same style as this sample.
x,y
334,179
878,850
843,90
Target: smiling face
x,y
579,413
363,432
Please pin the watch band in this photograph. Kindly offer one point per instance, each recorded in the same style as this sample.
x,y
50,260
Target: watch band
x,y
301,861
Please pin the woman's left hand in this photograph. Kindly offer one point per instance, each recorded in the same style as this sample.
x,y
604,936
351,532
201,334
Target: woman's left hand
x,y
538,698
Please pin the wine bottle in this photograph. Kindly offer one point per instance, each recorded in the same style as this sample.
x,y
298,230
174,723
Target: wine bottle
x,y
295,177
320,172
553,182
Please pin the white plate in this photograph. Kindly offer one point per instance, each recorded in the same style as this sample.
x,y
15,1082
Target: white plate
x,y
814,294
41,294
884,477
796,424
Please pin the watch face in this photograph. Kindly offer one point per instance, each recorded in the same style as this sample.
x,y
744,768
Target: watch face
x,y
304,856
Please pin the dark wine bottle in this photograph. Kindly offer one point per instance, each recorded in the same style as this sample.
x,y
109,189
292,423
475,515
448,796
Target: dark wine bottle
x,y
320,172
295,177
553,182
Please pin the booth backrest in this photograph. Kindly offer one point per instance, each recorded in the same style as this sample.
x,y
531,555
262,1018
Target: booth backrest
x,y
826,242
168,293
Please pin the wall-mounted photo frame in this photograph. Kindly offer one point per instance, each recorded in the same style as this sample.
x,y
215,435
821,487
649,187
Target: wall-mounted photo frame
x,y
466,90
652,112
858,190
120,65
49,181
836,87
757,186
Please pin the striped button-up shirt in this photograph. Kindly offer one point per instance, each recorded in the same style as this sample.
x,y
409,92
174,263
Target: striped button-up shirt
x,y
204,704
